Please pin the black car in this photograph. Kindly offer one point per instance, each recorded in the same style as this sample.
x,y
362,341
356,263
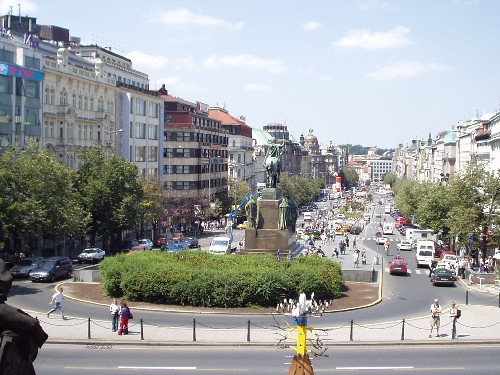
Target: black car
x,y
443,276
192,242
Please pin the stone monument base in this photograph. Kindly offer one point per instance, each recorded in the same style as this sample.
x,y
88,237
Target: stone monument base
x,y
268,241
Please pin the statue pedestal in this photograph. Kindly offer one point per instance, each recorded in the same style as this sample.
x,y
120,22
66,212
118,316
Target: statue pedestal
x,y
267,237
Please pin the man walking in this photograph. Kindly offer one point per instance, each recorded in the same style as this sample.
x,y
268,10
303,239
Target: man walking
x,y
57,299
435,317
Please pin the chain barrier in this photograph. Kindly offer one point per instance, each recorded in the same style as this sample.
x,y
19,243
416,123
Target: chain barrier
x,y
281,332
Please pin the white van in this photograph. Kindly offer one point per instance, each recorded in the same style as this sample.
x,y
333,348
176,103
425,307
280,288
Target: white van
x,y
220,245
425,253
308,216
387,210
388,228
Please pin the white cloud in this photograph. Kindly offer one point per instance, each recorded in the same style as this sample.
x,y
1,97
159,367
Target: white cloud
x,y
311,26
28,7
255,87
365,39
184,16
145,60
244,61
399,69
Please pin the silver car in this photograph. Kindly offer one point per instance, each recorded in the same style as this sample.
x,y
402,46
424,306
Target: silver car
x,y
91,255
24,267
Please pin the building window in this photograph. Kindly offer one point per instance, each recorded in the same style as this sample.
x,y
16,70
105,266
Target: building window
x,y
91,104
140,107
140,130
79,101
140,153
153,110
152,131
85,102
51,100
152,153
73,100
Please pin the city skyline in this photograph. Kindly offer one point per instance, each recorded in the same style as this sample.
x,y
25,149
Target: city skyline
x,y
369,72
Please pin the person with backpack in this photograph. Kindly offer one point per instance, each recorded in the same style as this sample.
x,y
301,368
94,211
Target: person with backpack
x,y
125,315
454,315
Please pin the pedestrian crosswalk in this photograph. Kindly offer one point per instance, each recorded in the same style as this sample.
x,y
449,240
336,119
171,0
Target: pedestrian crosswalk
x,y
418,271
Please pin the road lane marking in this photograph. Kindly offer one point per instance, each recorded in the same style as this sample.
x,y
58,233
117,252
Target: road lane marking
x,y
377,368
155,368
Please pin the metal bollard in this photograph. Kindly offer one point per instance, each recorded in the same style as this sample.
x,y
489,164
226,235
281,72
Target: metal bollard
x,y
88,328
194,329
248,331
403,331
142,330
352,327
467,297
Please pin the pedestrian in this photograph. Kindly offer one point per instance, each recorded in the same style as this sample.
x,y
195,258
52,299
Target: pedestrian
x,y
125,315
355,256
363,258
435,317
278,254
354,243
57,299
114,308
453,317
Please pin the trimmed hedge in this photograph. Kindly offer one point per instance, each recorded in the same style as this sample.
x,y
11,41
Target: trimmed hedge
x,y
197,278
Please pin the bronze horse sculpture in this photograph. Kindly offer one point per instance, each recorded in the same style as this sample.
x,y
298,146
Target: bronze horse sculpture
x,y
273,165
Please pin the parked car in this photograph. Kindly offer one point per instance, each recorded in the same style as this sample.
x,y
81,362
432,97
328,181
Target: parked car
x,y
170,242
405,245
146,243
91,255
24,267
177,247
398,266
443,276
51,269
192,242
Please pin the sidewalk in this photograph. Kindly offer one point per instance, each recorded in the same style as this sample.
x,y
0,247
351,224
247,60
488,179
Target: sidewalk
x,y
478,323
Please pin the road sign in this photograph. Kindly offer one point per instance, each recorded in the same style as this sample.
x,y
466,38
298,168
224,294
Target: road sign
x,y
378,234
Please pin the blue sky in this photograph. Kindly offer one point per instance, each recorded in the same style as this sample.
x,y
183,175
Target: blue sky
x,y
369,72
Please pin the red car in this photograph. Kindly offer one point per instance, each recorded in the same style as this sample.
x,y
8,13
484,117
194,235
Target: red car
x,y
399,267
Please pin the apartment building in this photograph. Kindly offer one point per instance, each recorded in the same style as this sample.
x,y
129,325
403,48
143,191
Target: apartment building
x,y
195,151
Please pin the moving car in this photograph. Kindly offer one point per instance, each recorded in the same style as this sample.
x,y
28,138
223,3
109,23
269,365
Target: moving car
x,y
220,245
91,255
51,269
443,276
398,266
404,245
381,240
24,267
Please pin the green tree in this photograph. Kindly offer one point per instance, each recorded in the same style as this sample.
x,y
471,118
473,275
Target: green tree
x,y
433,207
237,191
390,178
151,209
37,193
475,205
350,178
110,190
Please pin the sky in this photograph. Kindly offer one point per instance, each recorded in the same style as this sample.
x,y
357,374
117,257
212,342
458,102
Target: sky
x,y
377,73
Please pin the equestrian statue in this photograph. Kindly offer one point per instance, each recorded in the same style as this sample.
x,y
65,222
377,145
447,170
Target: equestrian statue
x,y
273,164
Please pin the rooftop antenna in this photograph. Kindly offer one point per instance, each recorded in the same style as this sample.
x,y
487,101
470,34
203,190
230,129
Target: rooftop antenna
x,y
106,43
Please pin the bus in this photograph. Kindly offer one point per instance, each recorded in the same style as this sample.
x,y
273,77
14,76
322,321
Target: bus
x,y
324,194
